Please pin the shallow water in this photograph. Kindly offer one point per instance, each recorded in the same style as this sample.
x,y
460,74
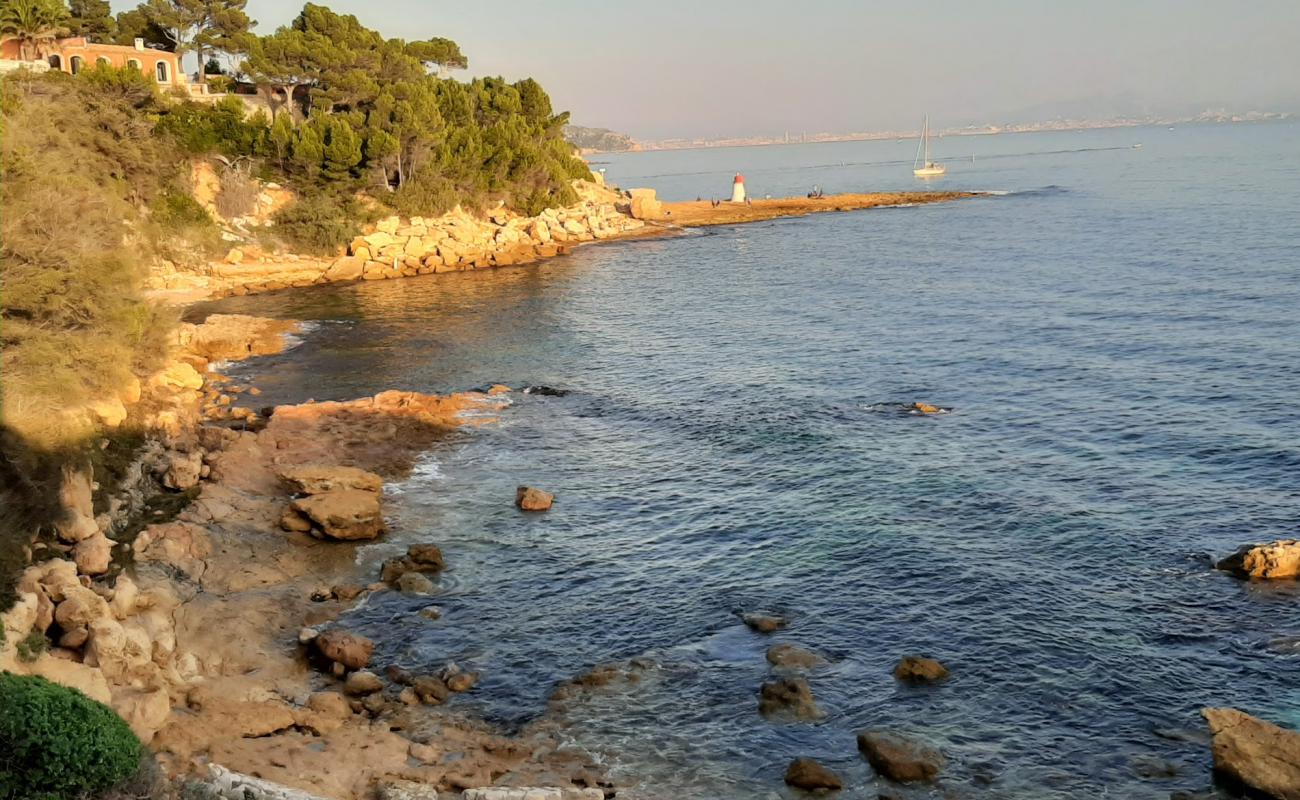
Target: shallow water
x,y
1118,338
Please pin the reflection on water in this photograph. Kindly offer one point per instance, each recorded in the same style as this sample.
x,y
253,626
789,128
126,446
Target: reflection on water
x,y
1120,358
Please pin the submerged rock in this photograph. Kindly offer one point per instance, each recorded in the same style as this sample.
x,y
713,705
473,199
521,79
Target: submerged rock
x,y
1280,559
414,583
805,773
898,758
546,391
919,669
764,623
789,656
1260,755
530,499
790,698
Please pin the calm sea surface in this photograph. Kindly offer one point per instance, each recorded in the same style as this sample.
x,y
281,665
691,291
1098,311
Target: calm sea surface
x,y
1118,337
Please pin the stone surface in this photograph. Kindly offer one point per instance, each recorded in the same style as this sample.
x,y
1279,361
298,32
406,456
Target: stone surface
x,y
899,758
528,498
347,514
348,649
414,583
807,774
319,479
789,656
362,682
1256,753
788,698
919,669
1276,560
93,555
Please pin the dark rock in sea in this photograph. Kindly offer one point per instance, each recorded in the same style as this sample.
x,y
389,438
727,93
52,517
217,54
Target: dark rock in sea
x,y
399,675
431,690
546,391
805,773
1153,768
528,498
1272,561
899,758
764,623
919,669
788,698
414,583
789,656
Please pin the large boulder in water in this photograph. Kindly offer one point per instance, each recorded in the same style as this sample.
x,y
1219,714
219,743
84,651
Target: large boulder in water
x,y
531,499
788,698
763,623
807,774
790,656
1280,559
348,649
898,758
1258,754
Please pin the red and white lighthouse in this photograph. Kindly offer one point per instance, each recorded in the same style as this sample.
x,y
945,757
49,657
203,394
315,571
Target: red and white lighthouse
x,y
738,189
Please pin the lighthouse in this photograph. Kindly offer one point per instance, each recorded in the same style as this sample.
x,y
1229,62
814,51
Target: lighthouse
x,y
738,189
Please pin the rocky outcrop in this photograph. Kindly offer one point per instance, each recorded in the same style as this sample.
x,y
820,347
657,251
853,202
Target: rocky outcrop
x,y
899,758
528,498
1257,754
788,698
341,647
397,247
807,774
319,479
230,337
919,669
1276,560
346,514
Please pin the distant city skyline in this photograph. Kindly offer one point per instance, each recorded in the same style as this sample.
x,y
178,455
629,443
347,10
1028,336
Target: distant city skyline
x,y
735,68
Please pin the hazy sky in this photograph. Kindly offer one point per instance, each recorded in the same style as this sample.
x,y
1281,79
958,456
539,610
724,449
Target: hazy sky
x,y
734,67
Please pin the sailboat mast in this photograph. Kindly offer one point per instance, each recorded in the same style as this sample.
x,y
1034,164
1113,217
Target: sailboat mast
x,y
925,134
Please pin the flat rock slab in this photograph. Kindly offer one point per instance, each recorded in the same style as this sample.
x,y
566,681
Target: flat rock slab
x,y
1259,754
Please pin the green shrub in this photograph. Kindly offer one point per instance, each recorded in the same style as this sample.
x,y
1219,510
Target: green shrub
x,y
177,209
56,743
31,646
318,224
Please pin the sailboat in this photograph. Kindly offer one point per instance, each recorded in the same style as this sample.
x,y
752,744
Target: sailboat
x,y
925,168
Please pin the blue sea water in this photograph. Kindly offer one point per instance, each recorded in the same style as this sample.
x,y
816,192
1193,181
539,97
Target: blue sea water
x,y
1118,337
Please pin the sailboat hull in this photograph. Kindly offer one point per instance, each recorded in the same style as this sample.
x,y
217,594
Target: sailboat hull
x,y
930,171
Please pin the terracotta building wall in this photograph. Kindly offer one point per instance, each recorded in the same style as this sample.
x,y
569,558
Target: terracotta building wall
x,y
67,53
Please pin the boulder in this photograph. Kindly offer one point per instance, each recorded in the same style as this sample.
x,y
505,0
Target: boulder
x,y
425,555
318,479
76,499
414,583
93,555
388,225
807,774
1280,559
362,682
346,514
1257,754
79,608
341,647
145,711
789,656
530,499
898,758
110,412
180,376
764,623
347,268
919,669
790,698
431,690
182,470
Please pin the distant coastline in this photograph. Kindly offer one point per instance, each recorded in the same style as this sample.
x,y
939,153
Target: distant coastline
x,y
1208,117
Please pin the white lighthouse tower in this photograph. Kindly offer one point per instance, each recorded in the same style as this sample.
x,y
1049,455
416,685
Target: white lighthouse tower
x,y
738,189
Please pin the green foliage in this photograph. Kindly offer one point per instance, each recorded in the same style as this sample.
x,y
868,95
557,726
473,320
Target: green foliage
x,y
318,224
375,114
56,743
32,646
92,19
136,24
178,209
224,128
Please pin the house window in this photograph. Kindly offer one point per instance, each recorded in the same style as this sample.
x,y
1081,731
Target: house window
x,y
75,63
103,60
56,62
134,62
161,69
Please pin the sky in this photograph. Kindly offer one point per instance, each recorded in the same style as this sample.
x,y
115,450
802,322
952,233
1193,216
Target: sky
x,y
715,68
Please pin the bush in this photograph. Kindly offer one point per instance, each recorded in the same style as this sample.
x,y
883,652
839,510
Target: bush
x,y
57,743
238,195
318,224
31,647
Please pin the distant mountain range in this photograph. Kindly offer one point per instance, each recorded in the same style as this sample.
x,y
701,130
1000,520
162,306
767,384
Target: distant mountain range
x,y
598,140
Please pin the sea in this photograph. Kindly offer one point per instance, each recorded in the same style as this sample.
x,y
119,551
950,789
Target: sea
x,y
1113,331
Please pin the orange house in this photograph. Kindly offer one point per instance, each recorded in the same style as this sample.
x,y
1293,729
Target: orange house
x,y
73,54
